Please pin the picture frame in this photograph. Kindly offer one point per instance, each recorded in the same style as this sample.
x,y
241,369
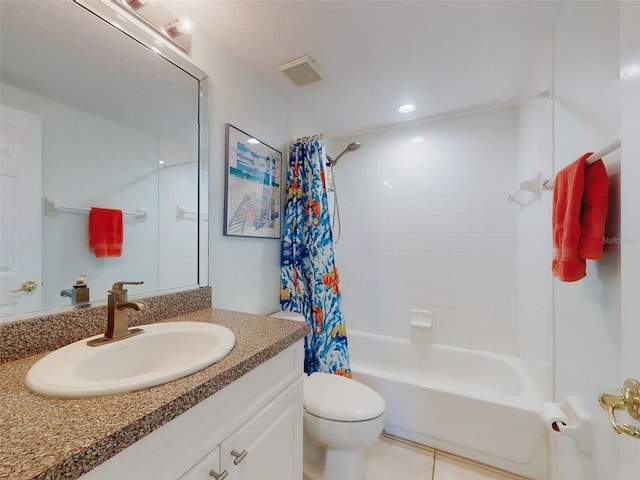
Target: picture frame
x,y
253,186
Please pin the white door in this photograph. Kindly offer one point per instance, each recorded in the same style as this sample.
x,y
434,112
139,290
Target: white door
x,y
21,211
597,320
630,221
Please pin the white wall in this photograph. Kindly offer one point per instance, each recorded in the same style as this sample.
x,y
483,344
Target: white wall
x,y
587,312
301,124
244,272
440,237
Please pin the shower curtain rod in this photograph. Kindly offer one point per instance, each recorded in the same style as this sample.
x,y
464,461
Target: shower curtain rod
x,y
549,183
306,139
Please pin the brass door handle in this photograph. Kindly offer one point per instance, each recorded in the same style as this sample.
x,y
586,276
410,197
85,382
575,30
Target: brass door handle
x,y
629,401
27,286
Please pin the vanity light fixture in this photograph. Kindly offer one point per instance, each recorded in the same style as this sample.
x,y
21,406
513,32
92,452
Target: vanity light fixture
x,y
173,28
137,4
178,27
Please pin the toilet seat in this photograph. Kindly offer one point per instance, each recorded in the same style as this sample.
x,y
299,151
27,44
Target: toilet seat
x,y
338,398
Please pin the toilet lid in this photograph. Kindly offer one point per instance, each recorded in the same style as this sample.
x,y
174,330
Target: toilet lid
x,y
339,398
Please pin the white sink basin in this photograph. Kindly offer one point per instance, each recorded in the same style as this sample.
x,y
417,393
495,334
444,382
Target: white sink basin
x,y
164,352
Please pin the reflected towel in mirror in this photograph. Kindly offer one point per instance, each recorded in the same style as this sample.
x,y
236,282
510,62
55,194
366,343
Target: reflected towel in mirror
x,y
105,232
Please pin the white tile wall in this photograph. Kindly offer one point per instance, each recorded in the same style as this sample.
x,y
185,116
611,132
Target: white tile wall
x,y
439,236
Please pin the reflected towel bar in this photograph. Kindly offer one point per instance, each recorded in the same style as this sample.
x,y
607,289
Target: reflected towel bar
x,y
182,213
548,184
52,209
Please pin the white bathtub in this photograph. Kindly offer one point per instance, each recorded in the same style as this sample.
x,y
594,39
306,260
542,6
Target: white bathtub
x,y
478,405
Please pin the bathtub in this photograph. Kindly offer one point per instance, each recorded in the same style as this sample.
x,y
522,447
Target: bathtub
x,y
478,405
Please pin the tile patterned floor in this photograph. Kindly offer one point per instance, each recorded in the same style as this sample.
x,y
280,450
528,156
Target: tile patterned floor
x,y
393,458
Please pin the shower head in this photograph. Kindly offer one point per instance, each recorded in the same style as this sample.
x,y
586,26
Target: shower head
x,y
350,148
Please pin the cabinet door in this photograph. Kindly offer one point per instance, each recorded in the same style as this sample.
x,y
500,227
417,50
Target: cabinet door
x,y
207,469
269,445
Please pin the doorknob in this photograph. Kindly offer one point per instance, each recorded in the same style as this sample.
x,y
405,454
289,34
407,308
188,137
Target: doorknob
x,y
629,400
27,286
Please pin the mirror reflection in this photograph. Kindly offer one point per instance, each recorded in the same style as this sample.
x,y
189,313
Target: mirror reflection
x,y
91,118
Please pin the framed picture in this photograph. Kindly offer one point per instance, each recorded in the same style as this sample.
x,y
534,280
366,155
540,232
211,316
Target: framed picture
x,y
252,197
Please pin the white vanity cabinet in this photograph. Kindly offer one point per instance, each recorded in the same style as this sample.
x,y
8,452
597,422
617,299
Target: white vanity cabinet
x,y
208,468
264,447
250,429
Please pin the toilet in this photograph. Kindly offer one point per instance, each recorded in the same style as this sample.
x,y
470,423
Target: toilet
x,y
341,416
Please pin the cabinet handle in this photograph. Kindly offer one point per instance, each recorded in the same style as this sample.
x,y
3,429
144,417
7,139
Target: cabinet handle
x,y
219,476
239,456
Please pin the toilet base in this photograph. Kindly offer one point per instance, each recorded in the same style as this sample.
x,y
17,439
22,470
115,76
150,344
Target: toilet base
x,y
337,465
324,463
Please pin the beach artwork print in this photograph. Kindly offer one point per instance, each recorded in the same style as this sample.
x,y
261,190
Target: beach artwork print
x,y
253,192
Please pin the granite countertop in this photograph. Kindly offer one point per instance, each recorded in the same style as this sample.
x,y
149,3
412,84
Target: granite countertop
x,y
64,438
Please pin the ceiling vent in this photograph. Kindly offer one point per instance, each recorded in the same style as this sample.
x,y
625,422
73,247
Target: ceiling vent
x,y
302,71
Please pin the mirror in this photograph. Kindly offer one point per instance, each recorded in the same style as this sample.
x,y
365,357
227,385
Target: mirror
x,y
97,113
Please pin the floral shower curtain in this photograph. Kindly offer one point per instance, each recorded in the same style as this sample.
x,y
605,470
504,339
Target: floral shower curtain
x,y
309,278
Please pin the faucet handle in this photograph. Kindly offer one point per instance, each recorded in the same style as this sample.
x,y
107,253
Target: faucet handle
x,y
118,285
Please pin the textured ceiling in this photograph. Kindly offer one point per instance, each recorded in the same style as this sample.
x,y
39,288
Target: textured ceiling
x,y
376,55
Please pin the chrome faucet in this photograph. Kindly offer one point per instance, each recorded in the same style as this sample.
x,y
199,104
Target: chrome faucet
x,y
117,320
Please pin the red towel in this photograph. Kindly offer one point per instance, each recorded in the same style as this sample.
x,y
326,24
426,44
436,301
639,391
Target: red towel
x,y
594,211
105,232
567,229
579,217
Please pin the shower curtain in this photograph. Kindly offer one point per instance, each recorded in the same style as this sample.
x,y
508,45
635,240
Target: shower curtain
x,y
309,278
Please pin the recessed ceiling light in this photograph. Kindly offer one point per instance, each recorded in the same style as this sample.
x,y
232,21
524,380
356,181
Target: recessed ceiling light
x,y
418,139
408,108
